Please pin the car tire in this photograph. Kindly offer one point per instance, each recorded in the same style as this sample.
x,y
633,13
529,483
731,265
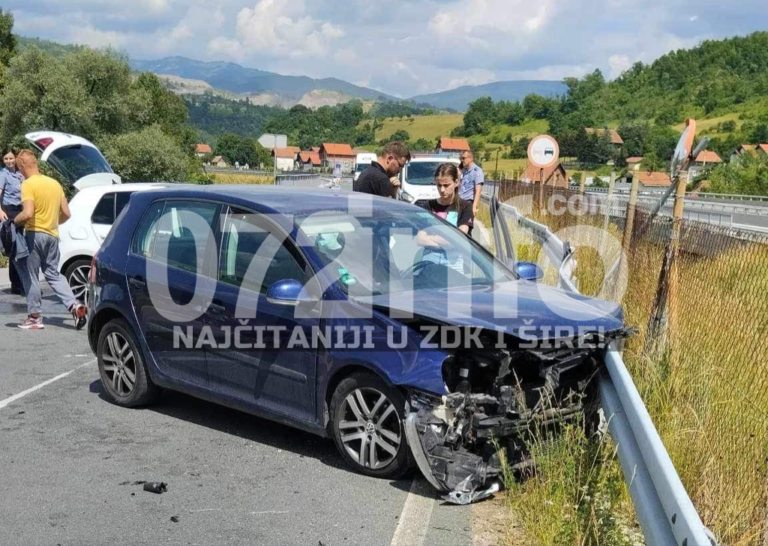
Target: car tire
x,y
121,367
365,411
77,278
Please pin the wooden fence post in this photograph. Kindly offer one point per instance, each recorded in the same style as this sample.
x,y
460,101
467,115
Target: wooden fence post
x,y
658,325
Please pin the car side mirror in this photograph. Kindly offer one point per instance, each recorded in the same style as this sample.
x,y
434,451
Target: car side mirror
x,y
529,271
288,292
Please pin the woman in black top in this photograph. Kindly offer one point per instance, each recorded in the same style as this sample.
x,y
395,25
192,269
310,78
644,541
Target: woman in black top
x,y
453,210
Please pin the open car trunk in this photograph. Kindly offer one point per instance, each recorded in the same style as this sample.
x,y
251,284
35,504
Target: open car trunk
x,y
77,160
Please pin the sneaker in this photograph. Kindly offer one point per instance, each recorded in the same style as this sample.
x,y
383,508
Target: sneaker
x,y
79,312
32,323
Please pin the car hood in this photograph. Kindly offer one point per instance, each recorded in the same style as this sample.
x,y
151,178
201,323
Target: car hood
x,y
523,309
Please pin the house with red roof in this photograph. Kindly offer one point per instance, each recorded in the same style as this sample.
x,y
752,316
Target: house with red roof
x,y
633,163
705,161
650,179
202,150
308,161
448,145
332,153
554,175
285,158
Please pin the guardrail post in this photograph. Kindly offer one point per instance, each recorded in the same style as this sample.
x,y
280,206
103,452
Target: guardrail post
x,y
666,293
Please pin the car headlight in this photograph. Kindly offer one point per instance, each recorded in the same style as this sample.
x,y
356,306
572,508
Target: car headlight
x,y
405,196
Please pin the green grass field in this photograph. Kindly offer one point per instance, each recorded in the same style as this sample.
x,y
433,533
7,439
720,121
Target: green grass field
x,y
427,127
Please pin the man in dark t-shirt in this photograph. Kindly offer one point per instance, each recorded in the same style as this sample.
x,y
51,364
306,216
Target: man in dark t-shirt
x,y
376,179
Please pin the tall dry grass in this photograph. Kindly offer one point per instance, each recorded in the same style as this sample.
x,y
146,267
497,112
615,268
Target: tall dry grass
x,y
708,394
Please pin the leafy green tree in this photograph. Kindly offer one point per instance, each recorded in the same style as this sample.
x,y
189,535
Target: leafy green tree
x,y
237,149
422,145
150,155
7,38
480,115
400,135
747,177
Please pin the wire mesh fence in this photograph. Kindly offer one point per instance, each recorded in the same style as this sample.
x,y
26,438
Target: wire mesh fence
x,y
707,389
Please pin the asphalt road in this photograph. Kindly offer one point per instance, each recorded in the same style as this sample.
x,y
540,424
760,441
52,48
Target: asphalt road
x,y
68,460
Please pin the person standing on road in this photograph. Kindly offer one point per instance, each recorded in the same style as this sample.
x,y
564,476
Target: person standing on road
x,y
44,207
10,206
380,177
472,180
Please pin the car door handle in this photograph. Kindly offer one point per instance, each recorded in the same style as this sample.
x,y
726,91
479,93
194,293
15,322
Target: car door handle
x,y
137,282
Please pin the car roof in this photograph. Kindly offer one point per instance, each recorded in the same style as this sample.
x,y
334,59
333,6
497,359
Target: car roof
x,y
136,186
434,159
285,200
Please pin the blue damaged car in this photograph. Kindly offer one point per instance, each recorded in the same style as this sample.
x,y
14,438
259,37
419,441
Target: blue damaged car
x,y
366,320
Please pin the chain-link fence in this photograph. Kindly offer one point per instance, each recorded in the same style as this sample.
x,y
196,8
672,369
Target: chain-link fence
x,y
703,373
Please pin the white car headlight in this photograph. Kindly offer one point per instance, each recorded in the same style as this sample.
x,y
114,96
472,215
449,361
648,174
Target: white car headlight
x,y
405,196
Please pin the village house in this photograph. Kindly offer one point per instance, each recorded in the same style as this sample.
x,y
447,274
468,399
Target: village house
x,y
307,161
761,150
285,158
553,176
616,139
634,163
650,179
219,162
202,150
704,161
332,153
452,146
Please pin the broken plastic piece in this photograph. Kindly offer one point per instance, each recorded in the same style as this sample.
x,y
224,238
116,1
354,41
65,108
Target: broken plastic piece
x,y
463,495
156,487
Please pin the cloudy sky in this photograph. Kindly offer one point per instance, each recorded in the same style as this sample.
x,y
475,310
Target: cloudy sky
x,y
402,47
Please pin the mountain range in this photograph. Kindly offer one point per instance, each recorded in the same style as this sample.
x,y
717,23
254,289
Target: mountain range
x,y
188,76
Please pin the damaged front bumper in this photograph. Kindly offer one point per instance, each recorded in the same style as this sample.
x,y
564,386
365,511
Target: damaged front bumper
x,y
465,442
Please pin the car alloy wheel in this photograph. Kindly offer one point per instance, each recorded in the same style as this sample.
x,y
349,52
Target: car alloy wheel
x,y
119,364
370,428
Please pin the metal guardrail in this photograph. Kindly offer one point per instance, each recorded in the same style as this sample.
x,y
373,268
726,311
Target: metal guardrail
x,y
689,195
664,509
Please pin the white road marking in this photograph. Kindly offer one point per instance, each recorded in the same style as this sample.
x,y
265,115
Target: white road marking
x,y
15,397
413,525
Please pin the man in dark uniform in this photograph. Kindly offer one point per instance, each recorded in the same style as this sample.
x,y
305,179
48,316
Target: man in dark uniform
x,y
376,179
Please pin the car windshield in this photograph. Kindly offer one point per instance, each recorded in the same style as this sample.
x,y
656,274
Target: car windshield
x,y
395,250
76,162
422,173
360,167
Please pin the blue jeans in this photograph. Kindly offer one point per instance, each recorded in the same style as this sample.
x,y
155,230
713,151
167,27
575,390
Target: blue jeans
x,y
43,254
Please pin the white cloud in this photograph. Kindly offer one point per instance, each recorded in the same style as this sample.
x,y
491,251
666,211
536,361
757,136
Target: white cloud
x,y
618,64
282,28
472,77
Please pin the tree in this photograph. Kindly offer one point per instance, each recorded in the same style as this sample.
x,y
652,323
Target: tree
x,y
150,155
237,149
479,117
400,135
422,145
7,38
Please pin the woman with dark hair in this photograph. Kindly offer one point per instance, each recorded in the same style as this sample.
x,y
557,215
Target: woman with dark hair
x,y
10,206
453,210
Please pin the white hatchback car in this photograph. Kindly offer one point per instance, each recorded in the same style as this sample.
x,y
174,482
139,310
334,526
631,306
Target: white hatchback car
x,y
100,198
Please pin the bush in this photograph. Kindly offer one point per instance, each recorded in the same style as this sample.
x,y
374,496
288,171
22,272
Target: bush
x,y
150,155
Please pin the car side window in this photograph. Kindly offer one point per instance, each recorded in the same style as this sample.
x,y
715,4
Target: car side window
x,y
144,239
179,239
254,258
121,199
104,213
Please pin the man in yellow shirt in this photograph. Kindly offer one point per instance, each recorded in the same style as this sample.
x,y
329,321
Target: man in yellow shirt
x,y
44,207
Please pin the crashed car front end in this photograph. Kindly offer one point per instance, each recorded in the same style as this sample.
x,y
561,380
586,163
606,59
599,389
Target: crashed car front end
x,y
496,397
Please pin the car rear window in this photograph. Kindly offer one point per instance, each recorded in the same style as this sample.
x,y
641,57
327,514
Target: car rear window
x,y
109,207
